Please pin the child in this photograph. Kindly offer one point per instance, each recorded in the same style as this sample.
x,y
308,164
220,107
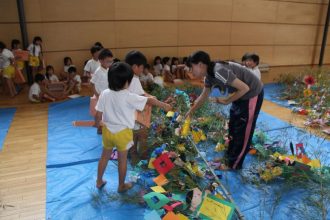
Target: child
x,y
7,62
67,64
15,46
116,108
37,92
137,61
74,82
177,69
93,63
168,76
35,50
252,62
98,44
50,76
146,77
99,81
158,67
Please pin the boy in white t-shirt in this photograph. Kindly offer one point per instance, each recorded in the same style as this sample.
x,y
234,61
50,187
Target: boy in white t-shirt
x,y
37,92
99,81
137,61
116,107
93,63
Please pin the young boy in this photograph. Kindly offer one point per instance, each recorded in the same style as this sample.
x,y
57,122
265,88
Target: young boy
x,y
99,81
74,81
146,77
37,92
116,107
93,63
137,61
252,62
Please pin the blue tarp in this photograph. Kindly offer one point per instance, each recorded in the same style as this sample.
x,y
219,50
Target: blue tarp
x,y
6,117
273,93
72,168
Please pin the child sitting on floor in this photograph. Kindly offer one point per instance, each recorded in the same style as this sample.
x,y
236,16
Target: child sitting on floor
x,y
50,75
146,78
116,107
38,91
168,76
158,67
74,82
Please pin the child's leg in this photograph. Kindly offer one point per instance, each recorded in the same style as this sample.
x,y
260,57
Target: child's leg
x,y
122,168
47,97
141,143
103,162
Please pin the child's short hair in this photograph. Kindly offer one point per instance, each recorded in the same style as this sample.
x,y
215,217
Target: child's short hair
x,y
95,49
14,42
165,60
147,66
116,60
72,69
254,57
36,38
245,57
184,60
135,57
49,67
174,59
39,77
99,44
2,45
105,53
66,60
118,74
157,58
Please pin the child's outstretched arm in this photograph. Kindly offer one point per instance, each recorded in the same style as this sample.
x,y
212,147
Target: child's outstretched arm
x,y
155,102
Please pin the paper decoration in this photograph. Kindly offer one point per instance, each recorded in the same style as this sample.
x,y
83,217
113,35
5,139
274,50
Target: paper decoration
x,y
83,123
196,199
158,189
144,117
155,200
163,164
160,180
153,215
150,165
172,206
182,217
21,55
171,216
170,114
185,128
215,208
300,150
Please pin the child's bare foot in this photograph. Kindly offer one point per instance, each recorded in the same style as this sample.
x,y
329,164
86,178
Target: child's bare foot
x,y
100,184
125,187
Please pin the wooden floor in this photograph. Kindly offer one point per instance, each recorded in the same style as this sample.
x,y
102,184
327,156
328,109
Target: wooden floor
x,y
23,157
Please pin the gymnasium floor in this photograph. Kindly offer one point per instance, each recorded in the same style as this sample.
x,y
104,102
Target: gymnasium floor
x,y
23,157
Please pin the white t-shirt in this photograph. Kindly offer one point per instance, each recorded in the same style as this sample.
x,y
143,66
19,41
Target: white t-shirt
x,y
146,78
100,79
158,68
135,86
118,108
91,66
66,68
34,90
53,78
256,72
36,48
166,68
173,68
5,57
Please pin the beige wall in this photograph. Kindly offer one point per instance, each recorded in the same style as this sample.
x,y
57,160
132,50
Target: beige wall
x,y
281,32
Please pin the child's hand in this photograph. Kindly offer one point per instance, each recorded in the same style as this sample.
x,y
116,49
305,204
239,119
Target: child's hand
x,y
167,107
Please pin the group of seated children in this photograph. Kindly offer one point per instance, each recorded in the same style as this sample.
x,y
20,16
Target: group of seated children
x,y
170,69
49,86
